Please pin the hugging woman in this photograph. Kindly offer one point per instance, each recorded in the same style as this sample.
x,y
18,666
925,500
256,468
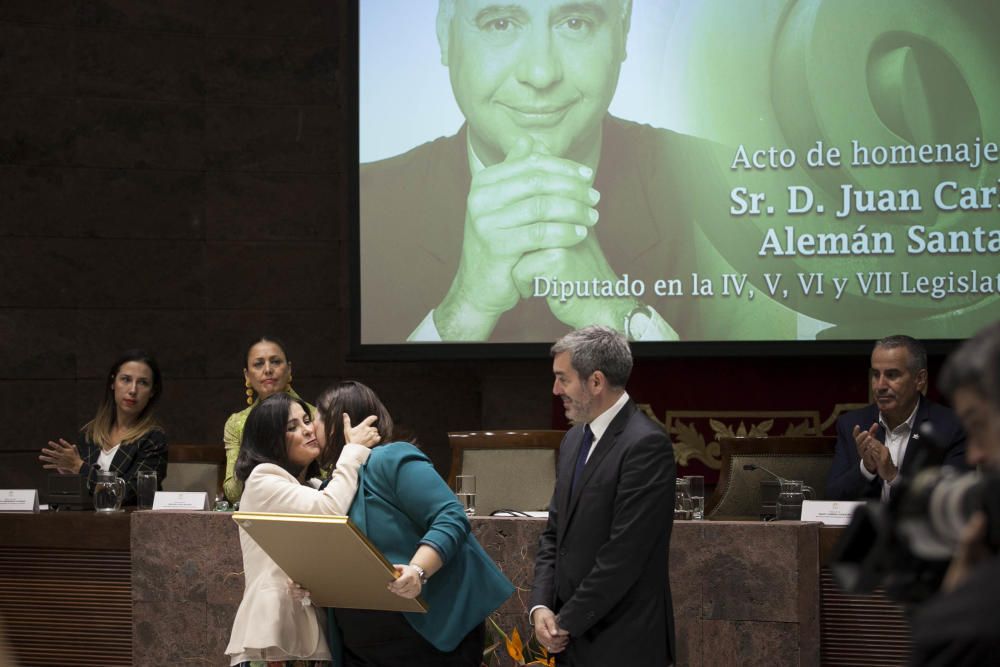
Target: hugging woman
x,y
407,511
278,454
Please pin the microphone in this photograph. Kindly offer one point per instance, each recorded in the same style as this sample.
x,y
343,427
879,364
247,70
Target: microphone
x,y
753,466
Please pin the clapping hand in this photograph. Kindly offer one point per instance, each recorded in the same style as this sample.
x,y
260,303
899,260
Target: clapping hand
x,y
61,456
883,461
865,441
875,455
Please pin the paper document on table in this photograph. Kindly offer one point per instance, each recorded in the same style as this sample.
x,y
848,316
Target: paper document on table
x,y
829,512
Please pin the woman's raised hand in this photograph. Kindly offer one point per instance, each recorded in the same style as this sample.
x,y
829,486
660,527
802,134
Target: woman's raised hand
x,y
362,434
61,456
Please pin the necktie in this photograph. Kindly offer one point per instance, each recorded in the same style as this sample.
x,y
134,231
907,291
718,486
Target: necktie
x,y
581,459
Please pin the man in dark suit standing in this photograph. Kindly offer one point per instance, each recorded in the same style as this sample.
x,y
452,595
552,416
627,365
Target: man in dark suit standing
x,y
876,444
601,593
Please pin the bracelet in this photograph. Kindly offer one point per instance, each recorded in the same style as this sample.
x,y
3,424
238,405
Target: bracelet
x,y
420,573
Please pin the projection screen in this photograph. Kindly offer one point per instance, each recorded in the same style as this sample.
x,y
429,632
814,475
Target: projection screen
x,y
680,170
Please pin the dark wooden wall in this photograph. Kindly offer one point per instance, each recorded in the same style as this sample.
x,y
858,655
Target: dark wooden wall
x,y
174,175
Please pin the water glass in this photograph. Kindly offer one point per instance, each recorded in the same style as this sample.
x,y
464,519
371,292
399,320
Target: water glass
x,y
682,501
696,489
145,488
221,504
465,489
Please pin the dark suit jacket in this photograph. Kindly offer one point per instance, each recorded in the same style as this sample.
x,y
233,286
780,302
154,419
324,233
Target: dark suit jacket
x,y
651,181
146,453
846,481
602,562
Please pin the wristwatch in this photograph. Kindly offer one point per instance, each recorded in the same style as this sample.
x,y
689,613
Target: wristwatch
x,y
420,573
644,323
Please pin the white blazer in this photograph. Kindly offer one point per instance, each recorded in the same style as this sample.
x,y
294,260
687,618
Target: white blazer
x,y
268,616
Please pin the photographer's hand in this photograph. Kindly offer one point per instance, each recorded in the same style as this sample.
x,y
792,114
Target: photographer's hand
x,y
530,201
971,551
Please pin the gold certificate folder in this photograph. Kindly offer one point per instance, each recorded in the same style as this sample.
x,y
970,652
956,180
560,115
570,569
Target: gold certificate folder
x,y
328,556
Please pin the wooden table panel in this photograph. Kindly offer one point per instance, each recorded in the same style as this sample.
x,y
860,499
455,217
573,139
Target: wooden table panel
x,y
66,588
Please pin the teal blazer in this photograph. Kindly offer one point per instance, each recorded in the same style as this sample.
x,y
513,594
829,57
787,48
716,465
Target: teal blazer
x,y
401,503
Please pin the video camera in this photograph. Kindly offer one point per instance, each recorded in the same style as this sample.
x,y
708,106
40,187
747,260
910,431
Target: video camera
x,y
905,544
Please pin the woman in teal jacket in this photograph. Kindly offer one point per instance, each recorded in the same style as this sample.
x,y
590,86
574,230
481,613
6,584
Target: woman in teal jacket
x,y
410,514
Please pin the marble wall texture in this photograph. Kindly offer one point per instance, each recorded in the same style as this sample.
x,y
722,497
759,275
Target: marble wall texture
x,y
744,593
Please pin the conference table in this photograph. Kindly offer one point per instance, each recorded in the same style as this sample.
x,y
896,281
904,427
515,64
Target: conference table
x,y
144,588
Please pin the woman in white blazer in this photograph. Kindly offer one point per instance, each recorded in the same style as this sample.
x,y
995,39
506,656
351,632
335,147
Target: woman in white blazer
x,y
277,455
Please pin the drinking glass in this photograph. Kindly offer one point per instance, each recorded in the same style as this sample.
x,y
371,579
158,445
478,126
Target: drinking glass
x,y
696,489
682,501
465,489
145,488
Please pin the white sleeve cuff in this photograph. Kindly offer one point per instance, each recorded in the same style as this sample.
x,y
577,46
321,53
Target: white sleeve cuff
x,y
531,612
864,471
426,331
355,453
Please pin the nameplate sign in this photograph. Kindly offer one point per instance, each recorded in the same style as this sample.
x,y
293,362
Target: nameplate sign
x,y
830,512
180,500
18,500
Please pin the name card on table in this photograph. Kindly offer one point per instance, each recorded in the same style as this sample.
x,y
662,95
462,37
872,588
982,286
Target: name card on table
x,y
829,512
18,500
180,500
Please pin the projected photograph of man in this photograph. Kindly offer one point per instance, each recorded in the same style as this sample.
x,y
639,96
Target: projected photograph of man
x,y
678,169
541,211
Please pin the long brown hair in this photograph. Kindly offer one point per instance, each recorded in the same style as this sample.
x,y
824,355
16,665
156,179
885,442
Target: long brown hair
x,y
98,429
359,402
